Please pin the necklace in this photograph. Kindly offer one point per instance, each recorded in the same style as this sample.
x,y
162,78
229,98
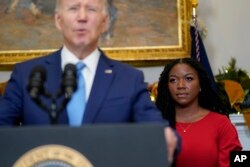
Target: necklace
x,y
192,120
186,128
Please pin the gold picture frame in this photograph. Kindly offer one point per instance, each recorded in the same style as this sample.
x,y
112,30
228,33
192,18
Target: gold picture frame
x,y
145,55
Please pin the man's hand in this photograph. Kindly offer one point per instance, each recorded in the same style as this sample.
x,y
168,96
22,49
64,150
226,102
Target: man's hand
x,y
172,141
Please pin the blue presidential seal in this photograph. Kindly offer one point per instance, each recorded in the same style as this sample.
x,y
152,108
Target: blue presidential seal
x,y
52,156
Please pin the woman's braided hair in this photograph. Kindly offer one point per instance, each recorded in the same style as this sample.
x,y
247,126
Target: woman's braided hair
x,y
208,97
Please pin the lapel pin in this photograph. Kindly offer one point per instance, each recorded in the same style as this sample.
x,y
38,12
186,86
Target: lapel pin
x,y
108,71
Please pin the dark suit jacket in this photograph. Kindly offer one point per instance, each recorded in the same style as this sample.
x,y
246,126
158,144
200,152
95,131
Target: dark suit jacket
x,y
117,97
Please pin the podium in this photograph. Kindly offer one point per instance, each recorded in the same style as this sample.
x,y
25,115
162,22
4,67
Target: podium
x,y
108,145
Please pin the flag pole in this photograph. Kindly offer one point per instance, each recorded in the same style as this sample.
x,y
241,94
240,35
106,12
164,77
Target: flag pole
x,y
194,4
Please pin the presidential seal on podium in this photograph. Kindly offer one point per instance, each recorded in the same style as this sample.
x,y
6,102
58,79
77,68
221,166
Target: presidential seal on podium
x,y
52,155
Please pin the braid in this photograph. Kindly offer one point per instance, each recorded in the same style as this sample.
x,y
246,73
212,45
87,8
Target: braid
x,y
164,101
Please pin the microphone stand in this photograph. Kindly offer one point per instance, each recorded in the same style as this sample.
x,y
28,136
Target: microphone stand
x,y
53,110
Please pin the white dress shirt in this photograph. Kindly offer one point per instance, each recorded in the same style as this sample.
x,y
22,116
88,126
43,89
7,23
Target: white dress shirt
x,y
90,61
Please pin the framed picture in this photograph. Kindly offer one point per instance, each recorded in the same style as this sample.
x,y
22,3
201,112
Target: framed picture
x,y
142,32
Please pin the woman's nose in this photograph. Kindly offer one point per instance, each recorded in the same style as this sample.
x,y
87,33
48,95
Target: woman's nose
x,y
181,83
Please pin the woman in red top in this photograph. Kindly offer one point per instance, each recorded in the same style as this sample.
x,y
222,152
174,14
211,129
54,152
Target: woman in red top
x,y
187,99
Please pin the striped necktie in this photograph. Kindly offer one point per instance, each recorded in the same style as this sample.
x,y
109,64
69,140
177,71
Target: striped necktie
x,y
77,103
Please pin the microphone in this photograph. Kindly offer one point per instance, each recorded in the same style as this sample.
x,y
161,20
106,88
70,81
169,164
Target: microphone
x,y
36,81
36,89
69,83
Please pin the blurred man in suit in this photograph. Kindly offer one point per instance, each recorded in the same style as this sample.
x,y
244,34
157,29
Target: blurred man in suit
x,y
115,92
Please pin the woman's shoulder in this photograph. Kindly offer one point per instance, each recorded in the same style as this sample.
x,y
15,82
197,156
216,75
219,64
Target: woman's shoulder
x,y
217,117
220,121
216,114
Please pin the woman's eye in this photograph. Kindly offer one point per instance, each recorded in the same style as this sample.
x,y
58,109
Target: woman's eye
x,y
189,78
172,80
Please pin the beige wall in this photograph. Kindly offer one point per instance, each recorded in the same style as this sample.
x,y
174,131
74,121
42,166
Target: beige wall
x,y
228,24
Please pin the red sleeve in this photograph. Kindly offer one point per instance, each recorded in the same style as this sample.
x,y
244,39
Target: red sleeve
x,y
228,141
